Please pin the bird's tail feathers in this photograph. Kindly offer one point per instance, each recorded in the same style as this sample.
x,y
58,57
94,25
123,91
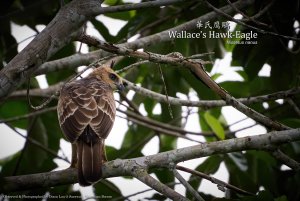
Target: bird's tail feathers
x,y
90,158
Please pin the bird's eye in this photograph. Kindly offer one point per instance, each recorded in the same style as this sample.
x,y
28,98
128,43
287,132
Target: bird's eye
x,y
112,76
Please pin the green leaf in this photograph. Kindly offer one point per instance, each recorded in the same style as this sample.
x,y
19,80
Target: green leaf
x,y
53,131
13,109
234,88
57,76
202,90
216,76
32,158
262,169
281,198
103,30
33,154
215,125
238,177
134,141
8,47
112,2
259,85
205,127
261,196
106,189
125,15
149,105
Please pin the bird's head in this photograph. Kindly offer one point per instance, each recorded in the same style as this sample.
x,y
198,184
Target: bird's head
x,y
107,75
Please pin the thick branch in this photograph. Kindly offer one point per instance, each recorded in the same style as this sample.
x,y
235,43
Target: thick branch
x,y
211,103
77,60
195,67
60,31
120,167
173,100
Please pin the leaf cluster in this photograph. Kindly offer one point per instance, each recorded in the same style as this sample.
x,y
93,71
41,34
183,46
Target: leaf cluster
x,y
255,171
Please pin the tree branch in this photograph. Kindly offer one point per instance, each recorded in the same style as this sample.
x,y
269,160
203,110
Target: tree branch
x,y
126,7
211,103
120,167
285,159
196,68
173,100
84,59
144,177
65,26
294,106
187,185
39,145
249,26
213,180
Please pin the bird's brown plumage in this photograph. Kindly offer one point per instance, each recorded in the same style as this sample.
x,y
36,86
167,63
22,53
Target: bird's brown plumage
x,y
86,112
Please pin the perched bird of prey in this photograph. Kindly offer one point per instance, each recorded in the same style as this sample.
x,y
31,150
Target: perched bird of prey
x,y
86,112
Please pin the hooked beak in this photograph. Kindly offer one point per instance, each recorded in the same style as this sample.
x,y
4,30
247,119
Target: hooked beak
x,y
121,86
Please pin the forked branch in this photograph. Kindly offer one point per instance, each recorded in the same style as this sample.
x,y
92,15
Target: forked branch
x,y
123,167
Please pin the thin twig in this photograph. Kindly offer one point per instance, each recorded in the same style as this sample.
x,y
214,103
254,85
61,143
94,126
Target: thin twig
x,y
294,105
163,125
196,68
241,129
187,186
162,130
246,16
38,144
199,56
237,122
261,12
174,101
32,114
166,91
213,180
144,177
165,128
132,66
163,36
249,26
16,44
130,103
146,190
56,94
53,96
285,159
137,145
29,132
133,6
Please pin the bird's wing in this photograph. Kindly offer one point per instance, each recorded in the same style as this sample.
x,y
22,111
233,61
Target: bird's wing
x,y
85,103
103,122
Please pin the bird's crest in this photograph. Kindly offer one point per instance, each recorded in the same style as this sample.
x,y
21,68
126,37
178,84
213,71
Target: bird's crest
x,y
107,75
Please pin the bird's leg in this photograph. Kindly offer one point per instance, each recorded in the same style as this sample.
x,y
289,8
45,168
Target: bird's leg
x,y
74,156
104,157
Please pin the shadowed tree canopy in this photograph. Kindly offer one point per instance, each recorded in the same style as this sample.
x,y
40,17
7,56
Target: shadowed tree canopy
x,y
166,66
